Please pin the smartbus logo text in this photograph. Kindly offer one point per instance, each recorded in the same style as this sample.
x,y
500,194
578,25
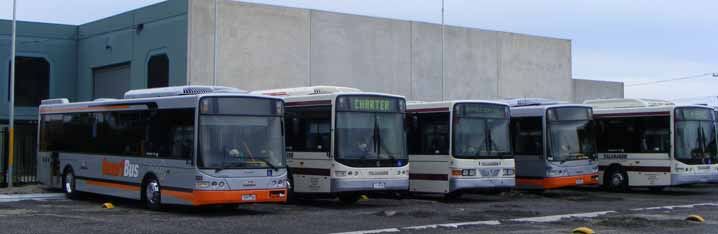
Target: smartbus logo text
x,y
122,168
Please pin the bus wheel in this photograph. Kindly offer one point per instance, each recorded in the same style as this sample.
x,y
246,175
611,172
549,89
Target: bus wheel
x,y
68,184
617,180
349,198
291,196
152,194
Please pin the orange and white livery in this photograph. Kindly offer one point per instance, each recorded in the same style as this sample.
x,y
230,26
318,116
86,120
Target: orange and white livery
x,y
188,145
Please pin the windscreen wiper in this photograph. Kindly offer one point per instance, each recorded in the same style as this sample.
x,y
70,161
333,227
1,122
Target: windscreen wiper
x,y
268,163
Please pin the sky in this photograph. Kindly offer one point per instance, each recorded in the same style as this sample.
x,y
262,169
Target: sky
x,y
617,40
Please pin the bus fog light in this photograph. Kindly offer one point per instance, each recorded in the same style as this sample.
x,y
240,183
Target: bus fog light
x,y
214,183
221,184
202,184
341,173
356,173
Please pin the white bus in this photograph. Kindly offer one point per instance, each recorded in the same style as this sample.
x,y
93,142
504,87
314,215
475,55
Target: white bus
x,y
553,143
456,146
654,143
188,145
344,142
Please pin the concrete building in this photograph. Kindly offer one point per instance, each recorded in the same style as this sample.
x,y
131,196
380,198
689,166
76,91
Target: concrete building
x,y
253,46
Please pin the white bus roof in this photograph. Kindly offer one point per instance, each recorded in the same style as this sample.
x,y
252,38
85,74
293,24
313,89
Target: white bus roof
x,y
537,111
316,93
179,90
142,96
633,107
441,106
627,103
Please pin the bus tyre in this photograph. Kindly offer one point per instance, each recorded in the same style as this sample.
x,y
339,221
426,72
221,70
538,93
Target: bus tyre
x,y
152,194
617,180
349,198
68,184
291,196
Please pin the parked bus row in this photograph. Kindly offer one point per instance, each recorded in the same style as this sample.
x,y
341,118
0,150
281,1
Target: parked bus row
x,y
208,145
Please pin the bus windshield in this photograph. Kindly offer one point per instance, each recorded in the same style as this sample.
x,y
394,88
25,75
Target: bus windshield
x,y
250,138
695,136
571,135
481,131
365,135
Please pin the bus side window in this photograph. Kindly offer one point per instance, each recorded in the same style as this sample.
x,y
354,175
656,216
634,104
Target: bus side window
x,y
635,135
527,135
308,129
170,134
429,134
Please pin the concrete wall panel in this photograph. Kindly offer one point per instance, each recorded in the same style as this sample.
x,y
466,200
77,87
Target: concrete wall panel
x,y
594,89
367,53
470,64
533,66
201,42
262,47
426,62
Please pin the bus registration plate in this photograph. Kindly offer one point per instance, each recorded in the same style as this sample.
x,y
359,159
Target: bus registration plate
x,y
249,197
579,181
379,186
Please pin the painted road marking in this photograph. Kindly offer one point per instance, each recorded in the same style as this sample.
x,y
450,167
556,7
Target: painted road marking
x,y
539,219
34,197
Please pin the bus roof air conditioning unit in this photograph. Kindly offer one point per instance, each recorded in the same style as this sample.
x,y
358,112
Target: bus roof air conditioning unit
x,y
54,101
517,102
309,90
179,90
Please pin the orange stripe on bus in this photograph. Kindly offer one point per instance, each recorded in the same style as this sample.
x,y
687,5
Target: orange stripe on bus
x,y
112,185
187,196
51,110
559,182
224,197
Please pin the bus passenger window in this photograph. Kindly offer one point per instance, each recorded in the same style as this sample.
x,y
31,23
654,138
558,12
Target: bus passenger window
x,y
429,134
308,129
527,134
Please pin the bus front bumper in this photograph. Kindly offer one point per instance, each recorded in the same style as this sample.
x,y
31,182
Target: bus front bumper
x,y
212,197
354,185
682,179
478,183
557,182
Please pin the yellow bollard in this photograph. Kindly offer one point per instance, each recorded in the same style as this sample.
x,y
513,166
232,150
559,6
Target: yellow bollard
x,y
108,205
695,218
582,230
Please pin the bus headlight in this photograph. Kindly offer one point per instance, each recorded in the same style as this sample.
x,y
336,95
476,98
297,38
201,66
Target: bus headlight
x,y
340,173
595,169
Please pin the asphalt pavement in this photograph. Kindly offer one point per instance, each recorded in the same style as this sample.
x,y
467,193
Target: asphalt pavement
x,y
557,211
